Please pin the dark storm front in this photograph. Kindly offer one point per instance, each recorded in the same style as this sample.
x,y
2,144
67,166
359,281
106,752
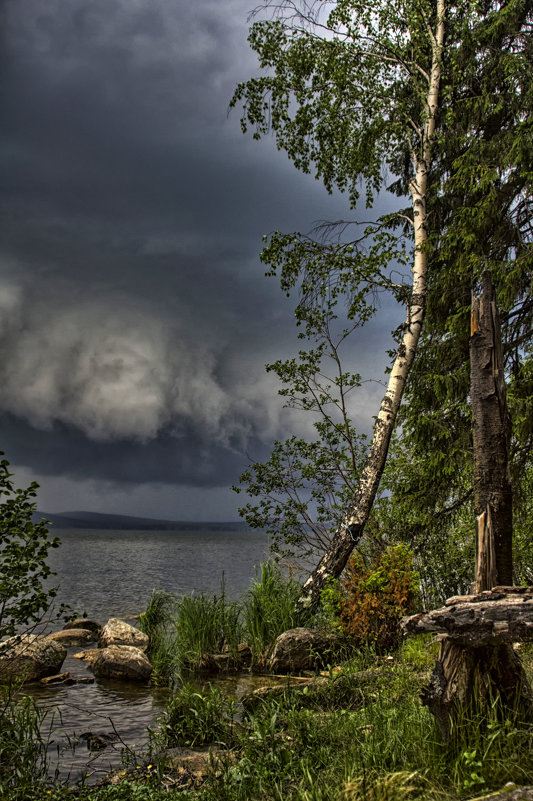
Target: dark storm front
x,y
112,573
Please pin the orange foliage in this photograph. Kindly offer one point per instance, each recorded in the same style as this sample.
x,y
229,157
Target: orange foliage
x,y
376,598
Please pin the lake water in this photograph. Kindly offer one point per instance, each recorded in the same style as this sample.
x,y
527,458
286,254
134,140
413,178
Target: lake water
x,y
112,574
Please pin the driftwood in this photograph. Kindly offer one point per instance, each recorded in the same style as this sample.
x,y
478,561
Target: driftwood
x,y
500,615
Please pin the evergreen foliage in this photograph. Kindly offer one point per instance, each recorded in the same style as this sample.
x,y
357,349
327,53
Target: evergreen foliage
x,y
480,219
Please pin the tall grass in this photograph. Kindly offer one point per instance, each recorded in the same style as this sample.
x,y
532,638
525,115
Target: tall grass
x,y
23,749
268,608
184,632
206,626
157,622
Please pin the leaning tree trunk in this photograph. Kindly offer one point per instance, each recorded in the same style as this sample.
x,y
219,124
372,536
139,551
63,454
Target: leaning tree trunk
x,y
469,677
351,529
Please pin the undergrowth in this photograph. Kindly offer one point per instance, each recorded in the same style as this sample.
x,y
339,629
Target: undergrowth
x,y
376,744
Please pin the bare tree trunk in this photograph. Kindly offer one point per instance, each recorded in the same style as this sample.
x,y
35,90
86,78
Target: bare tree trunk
x,y
493,499
468,678
351,530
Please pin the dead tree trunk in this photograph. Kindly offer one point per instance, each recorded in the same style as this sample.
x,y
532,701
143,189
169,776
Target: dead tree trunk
x,y
493,500
469,676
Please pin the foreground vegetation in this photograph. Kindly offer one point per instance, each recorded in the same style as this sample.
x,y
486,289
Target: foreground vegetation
x,y
374,742
359,733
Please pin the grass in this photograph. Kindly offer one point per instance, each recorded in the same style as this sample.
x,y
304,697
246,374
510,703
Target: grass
x,y
23,746
362,735
377,745
194,718
185,631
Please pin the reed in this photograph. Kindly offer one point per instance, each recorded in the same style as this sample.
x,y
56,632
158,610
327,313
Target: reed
x,y
268,608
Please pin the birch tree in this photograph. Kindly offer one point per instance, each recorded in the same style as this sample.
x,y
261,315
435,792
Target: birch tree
x,y
480,211
355,98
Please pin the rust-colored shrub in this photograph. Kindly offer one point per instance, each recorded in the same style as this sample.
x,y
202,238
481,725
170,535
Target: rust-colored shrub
x,y
376,598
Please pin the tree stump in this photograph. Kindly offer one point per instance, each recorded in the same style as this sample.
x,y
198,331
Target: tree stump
x,y
468,681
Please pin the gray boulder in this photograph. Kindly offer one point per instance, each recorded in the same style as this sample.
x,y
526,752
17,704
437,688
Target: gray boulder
x,y
118,632
123,662
509,793
29,658
302,649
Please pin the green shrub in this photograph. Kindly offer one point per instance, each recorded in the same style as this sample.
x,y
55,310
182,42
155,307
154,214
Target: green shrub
x,y
377,597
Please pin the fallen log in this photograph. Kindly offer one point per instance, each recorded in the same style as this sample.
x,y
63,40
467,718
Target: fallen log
x,y
477,663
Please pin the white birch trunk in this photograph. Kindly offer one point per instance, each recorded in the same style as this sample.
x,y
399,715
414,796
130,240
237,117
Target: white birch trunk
x,y
351,530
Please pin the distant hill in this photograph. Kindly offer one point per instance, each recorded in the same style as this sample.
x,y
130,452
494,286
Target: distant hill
x,y
94,520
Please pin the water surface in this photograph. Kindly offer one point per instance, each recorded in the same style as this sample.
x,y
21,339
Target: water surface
x,y
112,574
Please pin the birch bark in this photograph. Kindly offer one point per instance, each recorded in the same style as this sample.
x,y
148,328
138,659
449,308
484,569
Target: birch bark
x,y
352,528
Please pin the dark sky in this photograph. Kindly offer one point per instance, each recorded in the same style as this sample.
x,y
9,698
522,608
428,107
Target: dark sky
x,y
135,318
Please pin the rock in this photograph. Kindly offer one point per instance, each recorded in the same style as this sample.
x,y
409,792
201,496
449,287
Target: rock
x,y
197,759
509,793
96,742
124,662
338,691
182,768
227,661
30,658
60,678
301,649
270,692
118,632
84,623
72,637
89,655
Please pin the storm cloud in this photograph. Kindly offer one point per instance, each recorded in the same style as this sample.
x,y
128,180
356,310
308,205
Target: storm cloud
x,y
135,319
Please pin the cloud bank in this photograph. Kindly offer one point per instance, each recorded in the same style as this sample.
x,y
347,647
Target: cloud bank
x,y
112,369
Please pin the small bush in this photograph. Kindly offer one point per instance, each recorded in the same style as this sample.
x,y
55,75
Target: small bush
x,y
376,598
